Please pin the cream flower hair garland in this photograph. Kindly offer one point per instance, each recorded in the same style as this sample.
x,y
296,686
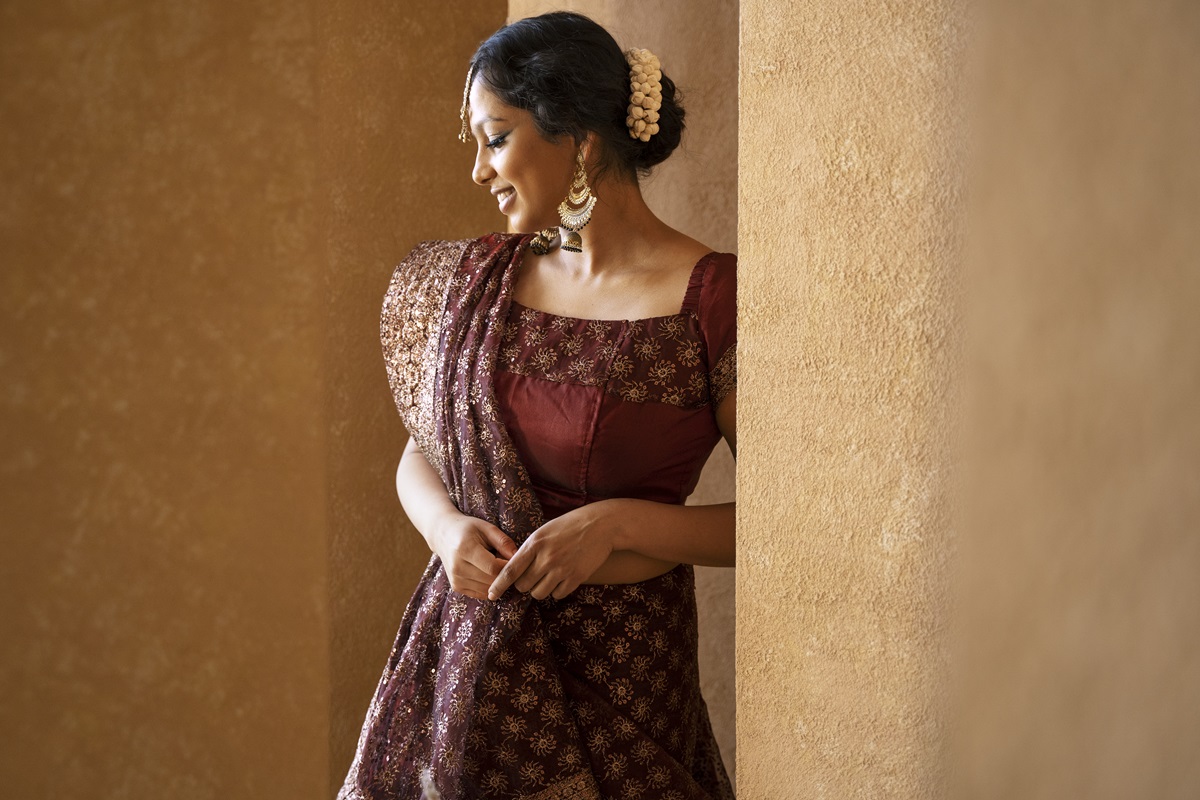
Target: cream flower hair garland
x,y
645,81
645,100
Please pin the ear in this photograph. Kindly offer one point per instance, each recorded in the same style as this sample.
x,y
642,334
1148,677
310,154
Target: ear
x,y
589,145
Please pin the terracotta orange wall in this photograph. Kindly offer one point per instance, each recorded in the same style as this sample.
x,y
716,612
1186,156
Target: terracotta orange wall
x,y
165,576
200,208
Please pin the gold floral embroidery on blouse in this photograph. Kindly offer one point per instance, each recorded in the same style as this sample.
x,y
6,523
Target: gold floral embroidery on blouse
x,y
659,359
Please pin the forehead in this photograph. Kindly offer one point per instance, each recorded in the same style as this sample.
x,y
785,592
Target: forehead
x,y
483,104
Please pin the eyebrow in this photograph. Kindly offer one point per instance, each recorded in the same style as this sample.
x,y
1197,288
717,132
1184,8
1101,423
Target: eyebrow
x,y
489,119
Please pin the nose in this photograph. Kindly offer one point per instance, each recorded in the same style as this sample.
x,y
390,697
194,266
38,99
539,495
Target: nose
x,y
482,173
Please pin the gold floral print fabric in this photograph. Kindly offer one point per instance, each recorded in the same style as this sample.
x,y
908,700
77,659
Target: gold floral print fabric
x,y
722,378
658,360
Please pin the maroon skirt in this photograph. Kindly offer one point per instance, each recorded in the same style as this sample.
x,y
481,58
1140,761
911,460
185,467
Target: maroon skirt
x,y
596,695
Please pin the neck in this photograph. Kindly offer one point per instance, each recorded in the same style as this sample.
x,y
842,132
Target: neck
x,y
621,228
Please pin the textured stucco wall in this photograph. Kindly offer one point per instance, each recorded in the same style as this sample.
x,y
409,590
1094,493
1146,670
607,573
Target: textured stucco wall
x,y
844,209
694,191
1081,659
205,561
164,620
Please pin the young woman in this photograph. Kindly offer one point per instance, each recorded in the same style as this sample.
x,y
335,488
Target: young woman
x,y
563,386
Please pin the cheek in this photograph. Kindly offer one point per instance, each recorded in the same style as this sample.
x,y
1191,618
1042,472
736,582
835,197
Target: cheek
x,y
540,188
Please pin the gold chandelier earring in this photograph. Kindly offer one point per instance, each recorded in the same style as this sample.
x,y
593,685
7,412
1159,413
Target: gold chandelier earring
x,y
576,210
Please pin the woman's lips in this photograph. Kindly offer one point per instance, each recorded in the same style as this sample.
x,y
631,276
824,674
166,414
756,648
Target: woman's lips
x,y
505,199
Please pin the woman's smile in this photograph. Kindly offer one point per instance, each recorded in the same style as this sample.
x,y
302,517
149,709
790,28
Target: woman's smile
x,y
505,198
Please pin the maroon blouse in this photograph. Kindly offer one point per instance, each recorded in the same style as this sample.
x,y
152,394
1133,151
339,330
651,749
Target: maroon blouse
x,y
620,408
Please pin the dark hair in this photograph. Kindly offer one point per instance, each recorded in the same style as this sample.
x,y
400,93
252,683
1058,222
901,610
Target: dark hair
x,y
569,73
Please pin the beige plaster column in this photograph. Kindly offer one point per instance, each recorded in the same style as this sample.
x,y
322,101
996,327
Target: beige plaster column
x,y
694,191
845,207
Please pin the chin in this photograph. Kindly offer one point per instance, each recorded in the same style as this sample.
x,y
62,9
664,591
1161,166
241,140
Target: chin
x,y
519,222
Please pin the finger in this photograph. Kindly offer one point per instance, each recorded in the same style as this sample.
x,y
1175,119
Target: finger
x,y
544,587
475,589
483,560
501,542
564,589
466,575
530,577
466,571
511,571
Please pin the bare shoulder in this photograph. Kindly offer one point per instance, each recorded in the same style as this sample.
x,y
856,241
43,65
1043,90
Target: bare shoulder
x,y
687,248
675,259
675,255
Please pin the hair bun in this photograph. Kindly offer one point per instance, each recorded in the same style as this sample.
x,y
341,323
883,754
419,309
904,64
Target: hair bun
x,y
574,79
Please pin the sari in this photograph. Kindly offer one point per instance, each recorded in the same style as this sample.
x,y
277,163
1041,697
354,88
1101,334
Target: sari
x,y
592,696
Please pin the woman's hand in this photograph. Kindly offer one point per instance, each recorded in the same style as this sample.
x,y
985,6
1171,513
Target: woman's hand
x,y
473,552
559,556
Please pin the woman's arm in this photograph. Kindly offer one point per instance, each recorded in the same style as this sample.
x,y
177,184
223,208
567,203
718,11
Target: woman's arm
x,y
422,493
561,555
701,535
473,549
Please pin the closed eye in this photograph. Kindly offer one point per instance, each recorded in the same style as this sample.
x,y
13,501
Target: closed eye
x,y
499,140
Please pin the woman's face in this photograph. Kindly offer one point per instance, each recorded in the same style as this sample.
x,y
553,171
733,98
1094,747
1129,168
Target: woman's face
x,y
527,175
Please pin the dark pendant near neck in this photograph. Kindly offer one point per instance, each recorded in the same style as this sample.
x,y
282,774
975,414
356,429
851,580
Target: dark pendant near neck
x,y
572,242
540,244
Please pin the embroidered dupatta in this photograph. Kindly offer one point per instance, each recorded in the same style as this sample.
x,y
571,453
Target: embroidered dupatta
x,y
440,330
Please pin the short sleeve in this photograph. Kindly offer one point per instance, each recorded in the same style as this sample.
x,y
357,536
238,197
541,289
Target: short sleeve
x,y
717,316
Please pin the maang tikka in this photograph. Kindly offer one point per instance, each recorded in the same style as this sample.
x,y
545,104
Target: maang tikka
x,y
576,210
